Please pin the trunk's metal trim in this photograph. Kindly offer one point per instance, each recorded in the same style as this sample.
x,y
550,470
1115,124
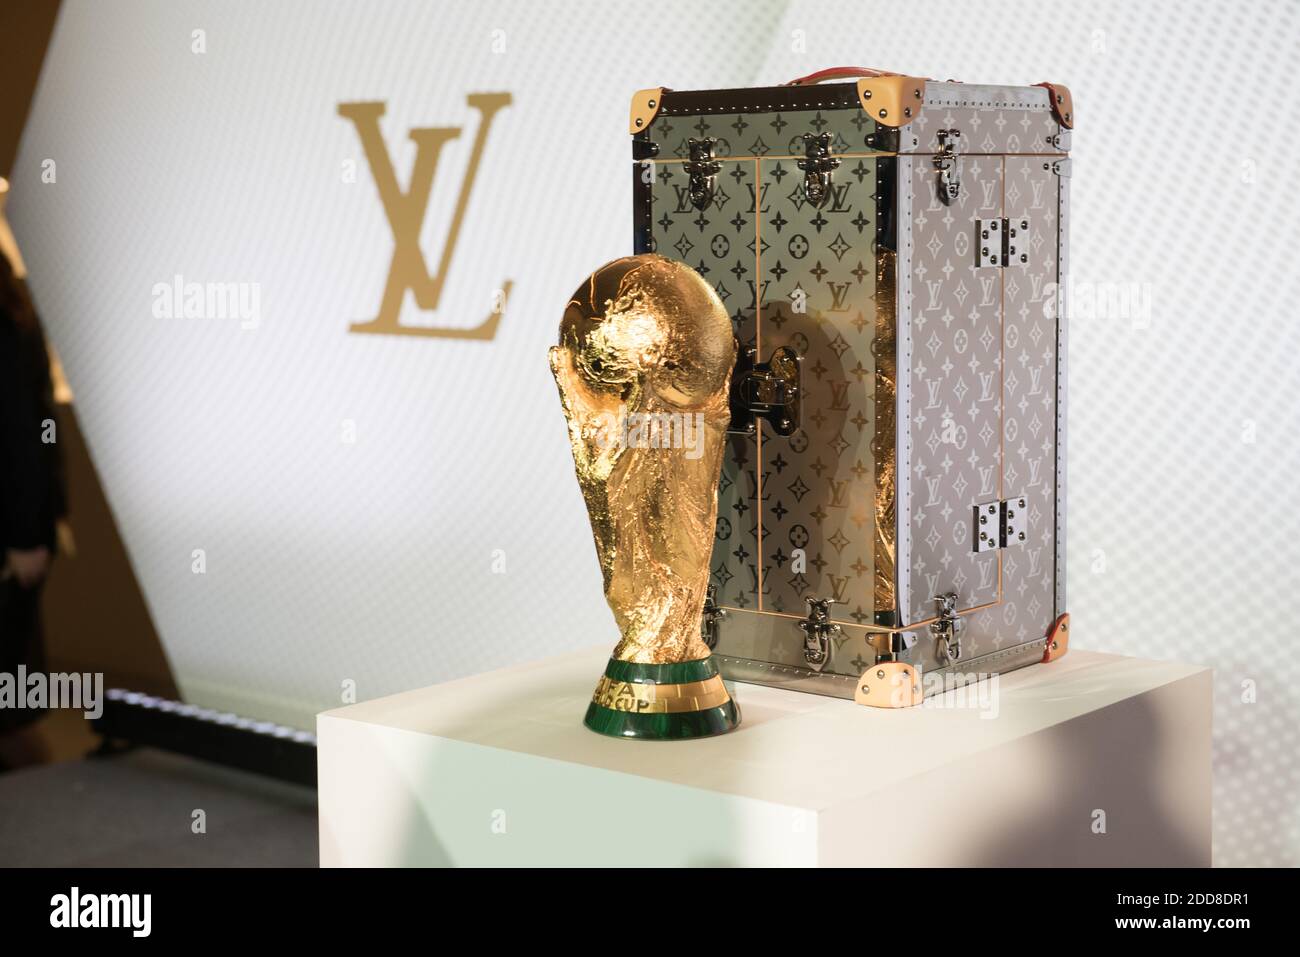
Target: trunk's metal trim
x,y
903,389
1062,344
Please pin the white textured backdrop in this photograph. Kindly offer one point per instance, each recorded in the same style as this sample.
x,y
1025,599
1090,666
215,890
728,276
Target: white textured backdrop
x,y
373,561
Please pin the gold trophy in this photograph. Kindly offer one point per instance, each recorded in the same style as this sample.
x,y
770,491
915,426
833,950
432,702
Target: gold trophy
x,y
644,368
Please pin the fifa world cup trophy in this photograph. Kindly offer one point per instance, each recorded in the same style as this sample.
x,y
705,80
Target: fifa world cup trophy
x,y
644,366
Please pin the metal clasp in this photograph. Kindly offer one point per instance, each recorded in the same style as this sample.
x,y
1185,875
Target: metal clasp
x,y
818,164
711,616
817,630
947,629
948,163
703,171
766,390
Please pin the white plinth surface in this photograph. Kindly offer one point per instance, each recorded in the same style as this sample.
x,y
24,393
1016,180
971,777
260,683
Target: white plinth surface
x,y
1092,760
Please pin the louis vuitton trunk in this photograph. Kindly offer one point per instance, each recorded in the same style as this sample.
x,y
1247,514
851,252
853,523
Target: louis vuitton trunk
x,y
892,251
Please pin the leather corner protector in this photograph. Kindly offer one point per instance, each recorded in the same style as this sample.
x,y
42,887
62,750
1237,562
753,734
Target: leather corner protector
x,y
890,684
892,100
1058,639
1062,103
645,107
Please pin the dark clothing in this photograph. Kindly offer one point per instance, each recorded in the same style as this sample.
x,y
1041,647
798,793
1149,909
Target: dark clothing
x,y
22,642
32,495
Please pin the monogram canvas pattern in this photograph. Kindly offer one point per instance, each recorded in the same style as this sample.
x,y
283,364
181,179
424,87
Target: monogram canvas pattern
x,y
1029,390
813,272
983,418
819,484
956,372
977,353
721,243
817,281
992,119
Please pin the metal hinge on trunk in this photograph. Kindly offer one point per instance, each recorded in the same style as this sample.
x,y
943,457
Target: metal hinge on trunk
x,y
1001,242
1000,524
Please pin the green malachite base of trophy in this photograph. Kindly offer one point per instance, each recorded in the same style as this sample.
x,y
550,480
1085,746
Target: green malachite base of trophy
x,y
685,699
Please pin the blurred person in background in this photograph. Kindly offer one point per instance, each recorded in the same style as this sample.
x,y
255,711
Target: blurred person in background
x,y
32,502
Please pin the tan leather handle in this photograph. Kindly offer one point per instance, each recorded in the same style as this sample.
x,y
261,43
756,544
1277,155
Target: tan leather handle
x,y
838,73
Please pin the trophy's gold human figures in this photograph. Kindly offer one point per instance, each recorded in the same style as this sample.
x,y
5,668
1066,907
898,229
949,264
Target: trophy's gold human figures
x,y
644,367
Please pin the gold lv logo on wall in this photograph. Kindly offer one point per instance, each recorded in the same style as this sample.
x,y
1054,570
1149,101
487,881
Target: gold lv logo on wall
x,y
406,210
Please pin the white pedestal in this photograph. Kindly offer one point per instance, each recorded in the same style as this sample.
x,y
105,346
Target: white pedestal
x,y
498,770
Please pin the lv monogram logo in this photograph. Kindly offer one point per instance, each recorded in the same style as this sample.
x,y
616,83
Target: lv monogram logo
x,y
932,486
839,493
839,198
933,286
684,204
406,210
